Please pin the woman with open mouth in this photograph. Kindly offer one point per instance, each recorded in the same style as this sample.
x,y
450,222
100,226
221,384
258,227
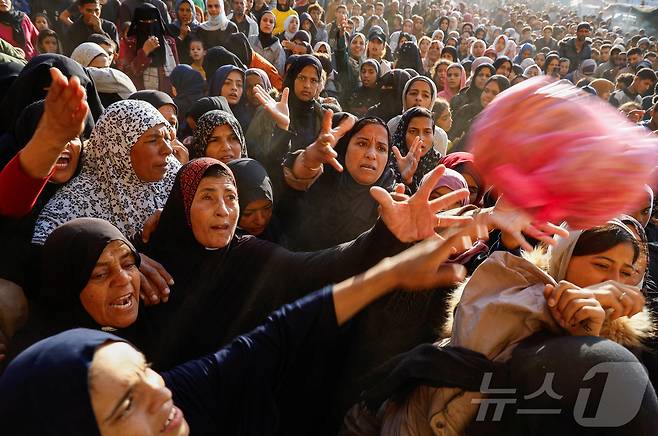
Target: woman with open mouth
x,y
90,278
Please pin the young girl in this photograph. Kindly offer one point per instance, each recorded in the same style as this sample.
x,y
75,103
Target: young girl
x,y
41,21
197,54
48,42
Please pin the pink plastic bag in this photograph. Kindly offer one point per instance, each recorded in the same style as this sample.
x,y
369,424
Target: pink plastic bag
x,y
561,154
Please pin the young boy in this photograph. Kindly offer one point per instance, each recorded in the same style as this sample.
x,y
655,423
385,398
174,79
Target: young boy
x,y
197,53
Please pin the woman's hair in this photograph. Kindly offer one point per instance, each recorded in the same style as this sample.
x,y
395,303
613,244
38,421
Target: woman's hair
x,y
418,112
602,238
45,33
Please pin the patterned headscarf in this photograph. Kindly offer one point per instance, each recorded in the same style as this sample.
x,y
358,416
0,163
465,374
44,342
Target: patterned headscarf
x,y
190,177
205,128
107,186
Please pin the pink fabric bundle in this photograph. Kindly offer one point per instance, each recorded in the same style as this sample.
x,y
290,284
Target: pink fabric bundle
x,y
562,155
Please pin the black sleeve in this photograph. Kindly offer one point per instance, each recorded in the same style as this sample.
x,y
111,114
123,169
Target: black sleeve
x,y
235,387
305,271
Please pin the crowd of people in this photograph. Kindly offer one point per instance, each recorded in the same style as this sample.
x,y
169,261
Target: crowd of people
x,y
261,218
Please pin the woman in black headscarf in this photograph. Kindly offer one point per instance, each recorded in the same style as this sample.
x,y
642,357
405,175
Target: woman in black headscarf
x,y
415,153
408,56
338,206
391,87
229,284
471,94
503,66
366,94
265,44
148,54
188,86
104,385
90,278
32,84
217,57
256,199
183,28
465,116
303,80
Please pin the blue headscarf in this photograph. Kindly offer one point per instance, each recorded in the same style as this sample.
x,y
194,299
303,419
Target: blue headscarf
x,y
45,390
525,47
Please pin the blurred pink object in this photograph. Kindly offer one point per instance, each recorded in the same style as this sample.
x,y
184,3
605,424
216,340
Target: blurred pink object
x,y
562,155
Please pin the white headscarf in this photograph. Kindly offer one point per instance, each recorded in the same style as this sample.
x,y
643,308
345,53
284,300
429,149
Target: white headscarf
x,y
220,22
107,186
85,53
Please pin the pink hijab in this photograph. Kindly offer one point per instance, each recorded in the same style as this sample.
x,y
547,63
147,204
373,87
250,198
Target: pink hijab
x,y
447,92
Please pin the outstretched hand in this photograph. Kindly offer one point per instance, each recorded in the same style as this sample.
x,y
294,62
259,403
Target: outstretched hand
x,y
415,218
278,110
322,150
514,223
409,163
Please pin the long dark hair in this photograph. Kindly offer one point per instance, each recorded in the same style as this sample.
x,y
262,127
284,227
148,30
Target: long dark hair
x,y
602,238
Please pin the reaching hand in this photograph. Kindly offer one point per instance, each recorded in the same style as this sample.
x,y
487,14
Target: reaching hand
x,y
416,218
322,150
575,309
421,267
65,109
278,110
409,163
514,222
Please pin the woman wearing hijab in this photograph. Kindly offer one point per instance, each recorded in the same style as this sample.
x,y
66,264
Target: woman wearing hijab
x,y
503,66
183,28
413,147
450,53
187,86
420,91
217,57
17,29
409,57
216,30
127,172
98,375
526,299
455,80
526,51
433,55
112,84
148,53
477,49
229,82
291,27
31,86
499,45
162,102
266,44
471,94
337,207
254,77
533,71
367,94
465,116
552,65
462,162
392,86
206,257
256,200
218,135
89,278
306,24
350,54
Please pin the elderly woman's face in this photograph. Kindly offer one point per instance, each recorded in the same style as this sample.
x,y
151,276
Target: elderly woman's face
x,y
224,145
149,154
214,212
367,154
128,397
111,296
613,264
